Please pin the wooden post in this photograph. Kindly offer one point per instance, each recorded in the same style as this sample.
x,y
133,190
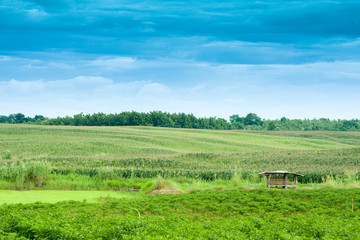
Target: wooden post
x,y
286,180
295,180
268,181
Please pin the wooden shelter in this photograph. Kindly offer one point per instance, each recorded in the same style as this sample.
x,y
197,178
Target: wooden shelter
x,y
280,179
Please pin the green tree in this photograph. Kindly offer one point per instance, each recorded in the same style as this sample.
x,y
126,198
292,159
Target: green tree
x,y
271,126
252,119
135,119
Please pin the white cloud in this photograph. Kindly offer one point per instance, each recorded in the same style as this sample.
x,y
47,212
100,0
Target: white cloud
x,y
271,91
79,94
352,43
196,90
61,66
114,62
5,58
154,89
36,14
232,44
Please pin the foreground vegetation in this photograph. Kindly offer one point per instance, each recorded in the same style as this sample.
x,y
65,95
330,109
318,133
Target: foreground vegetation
x,y
246,214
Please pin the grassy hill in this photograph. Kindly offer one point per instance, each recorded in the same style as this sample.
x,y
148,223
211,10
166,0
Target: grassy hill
x,y
145,152
24,141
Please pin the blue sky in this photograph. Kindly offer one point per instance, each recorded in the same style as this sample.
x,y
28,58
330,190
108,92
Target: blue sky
x,y
299,59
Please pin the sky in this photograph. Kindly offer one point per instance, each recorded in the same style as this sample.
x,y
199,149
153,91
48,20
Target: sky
x,y
298,59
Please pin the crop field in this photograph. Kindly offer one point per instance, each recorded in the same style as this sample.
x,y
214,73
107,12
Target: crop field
x,y
117,171
68,157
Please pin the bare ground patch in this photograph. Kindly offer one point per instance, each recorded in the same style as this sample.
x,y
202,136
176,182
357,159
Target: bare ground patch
x,y
166,191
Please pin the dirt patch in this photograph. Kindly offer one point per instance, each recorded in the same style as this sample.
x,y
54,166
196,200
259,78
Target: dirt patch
x,y
166,191
249,188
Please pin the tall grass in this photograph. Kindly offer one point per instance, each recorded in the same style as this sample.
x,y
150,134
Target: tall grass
x,y
41,175
27,174
33,173
350,180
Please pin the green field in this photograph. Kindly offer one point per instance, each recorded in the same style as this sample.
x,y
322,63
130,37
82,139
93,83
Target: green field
x,y
27,141
53,196
216,171
83,158
233,214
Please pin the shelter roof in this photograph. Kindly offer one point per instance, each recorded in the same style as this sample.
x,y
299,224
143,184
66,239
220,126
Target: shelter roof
x,y
279,172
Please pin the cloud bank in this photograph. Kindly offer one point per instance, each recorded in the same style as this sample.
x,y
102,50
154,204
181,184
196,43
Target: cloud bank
x,y
219,90
210,58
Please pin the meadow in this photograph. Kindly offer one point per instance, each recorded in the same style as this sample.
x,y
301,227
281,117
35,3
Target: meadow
x,y
116,171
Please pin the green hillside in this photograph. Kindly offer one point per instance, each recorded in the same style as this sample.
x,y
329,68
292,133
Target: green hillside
x,y
109,153
25,141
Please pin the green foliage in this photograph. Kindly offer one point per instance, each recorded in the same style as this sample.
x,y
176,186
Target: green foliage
x,y
181,120
255,214
7,155
272,126
25,174
252,119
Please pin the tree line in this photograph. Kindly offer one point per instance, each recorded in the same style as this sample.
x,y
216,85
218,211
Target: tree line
x,y
254,122
182,120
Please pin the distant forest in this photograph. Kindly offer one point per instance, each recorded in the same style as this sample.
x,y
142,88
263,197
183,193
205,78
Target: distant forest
x,y
181,120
